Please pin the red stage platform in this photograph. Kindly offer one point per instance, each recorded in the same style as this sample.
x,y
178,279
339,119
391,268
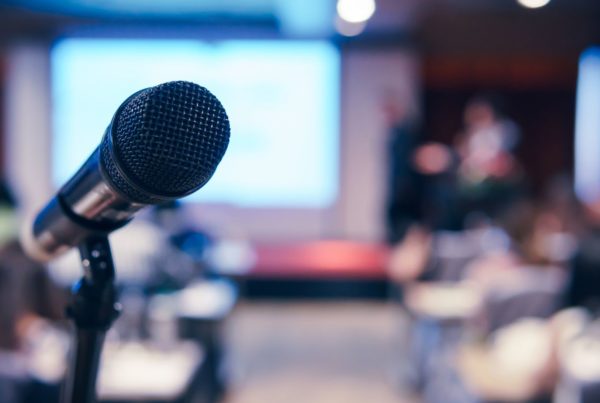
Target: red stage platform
x,y
321,260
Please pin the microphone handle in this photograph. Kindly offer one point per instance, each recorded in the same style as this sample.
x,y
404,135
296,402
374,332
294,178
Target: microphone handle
x,y
86,205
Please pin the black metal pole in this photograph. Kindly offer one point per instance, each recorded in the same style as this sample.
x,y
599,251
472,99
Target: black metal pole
x,y
93,310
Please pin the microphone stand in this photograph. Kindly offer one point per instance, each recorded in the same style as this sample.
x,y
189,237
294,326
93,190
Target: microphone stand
x,y
93,309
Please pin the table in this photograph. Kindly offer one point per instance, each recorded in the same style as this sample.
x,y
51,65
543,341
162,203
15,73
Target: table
x,y
142,372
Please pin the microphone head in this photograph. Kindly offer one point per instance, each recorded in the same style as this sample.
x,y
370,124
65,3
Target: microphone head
x,y
165,142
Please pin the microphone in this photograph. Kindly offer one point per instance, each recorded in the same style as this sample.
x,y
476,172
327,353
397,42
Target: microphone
x,y
163,143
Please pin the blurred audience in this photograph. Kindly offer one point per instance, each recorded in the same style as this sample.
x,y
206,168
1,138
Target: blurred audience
x,y
33,342
496,283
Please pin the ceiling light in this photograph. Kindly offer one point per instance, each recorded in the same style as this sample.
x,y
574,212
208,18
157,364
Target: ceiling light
x,y
533,3
355,11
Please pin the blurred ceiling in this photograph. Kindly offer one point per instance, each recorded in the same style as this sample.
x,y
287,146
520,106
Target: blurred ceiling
x,y
435,23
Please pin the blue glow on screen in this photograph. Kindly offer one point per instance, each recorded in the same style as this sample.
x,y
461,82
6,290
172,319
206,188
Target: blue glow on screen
x,y
282,99
587,127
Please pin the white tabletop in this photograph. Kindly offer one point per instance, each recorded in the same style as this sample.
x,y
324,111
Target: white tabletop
x,y
137,371
206,299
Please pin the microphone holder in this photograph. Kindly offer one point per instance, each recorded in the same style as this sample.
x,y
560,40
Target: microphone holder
x,y
93,309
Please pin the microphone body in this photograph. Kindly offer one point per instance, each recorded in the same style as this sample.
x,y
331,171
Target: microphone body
x,y
163,143
85,205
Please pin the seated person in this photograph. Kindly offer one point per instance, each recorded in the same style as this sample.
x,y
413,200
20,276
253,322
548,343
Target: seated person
x,y
32,346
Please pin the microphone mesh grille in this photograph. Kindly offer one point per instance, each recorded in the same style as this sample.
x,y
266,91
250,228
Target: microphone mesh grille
x,y
167,140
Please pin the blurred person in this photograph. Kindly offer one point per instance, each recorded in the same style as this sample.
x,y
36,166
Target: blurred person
x,y
436,163
33,343
584,286
409,258
404,185
489,176
539,239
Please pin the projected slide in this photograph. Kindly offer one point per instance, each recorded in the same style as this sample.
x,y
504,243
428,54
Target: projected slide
x,y
282,98
587,128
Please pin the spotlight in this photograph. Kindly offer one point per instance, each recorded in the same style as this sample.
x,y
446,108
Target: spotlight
x,y
355,11
533,3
